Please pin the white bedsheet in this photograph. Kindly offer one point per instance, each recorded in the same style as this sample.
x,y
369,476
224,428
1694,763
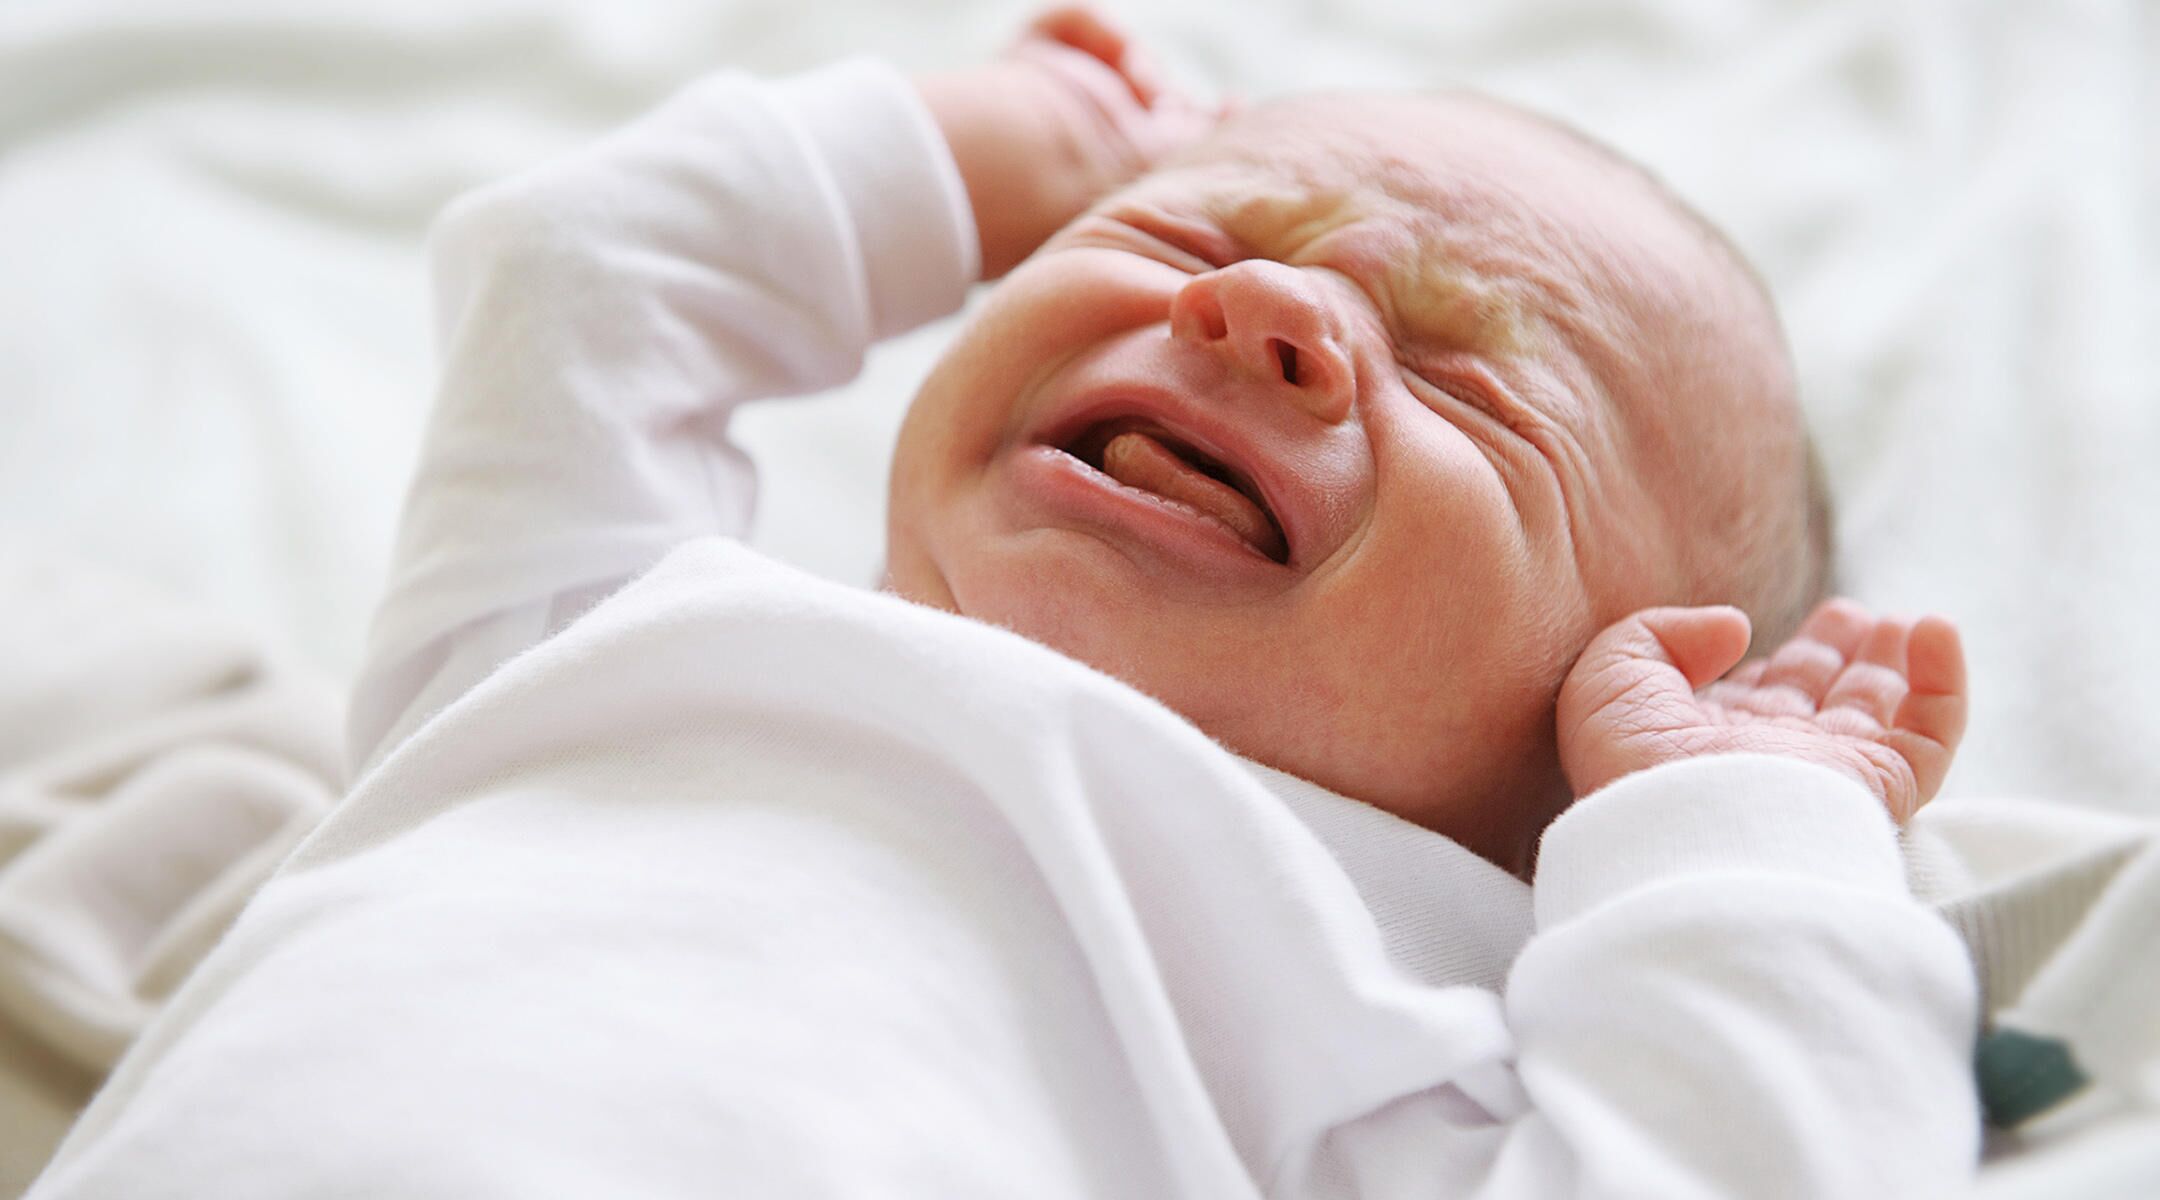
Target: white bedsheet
x,y
212,342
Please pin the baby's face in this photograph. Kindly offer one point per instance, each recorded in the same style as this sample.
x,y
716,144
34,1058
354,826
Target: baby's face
x,y
1340,437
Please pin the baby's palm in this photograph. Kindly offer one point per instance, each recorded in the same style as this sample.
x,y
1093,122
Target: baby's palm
x,y
1882,700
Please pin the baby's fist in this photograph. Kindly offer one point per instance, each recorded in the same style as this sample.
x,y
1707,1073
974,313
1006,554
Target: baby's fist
x,y
1074,110
1882,700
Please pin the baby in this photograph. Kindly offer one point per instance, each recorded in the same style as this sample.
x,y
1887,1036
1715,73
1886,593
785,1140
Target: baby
x,y
1329,497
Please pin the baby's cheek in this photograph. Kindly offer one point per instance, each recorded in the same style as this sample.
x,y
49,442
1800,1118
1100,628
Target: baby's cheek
x,y
950,433
1443,516
967,401
1452,580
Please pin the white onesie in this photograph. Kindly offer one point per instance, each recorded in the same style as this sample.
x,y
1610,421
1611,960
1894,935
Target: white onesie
x,y
674,871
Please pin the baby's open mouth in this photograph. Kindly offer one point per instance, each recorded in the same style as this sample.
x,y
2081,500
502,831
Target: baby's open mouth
x,y
1145,457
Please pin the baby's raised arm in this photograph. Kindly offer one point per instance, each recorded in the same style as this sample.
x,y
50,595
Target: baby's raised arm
x,y
1731,990
601,317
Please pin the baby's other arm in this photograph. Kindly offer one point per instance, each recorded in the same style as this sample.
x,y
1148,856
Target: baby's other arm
x,y
1731,990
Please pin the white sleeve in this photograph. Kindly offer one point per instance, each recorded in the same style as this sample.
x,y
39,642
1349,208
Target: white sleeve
x,y
1731,992
599,319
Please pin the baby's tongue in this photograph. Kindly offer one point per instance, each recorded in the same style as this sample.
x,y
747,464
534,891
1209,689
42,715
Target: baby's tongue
x,y
1139,461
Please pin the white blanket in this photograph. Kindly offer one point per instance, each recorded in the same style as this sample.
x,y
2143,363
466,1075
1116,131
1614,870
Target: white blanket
x,y
155,765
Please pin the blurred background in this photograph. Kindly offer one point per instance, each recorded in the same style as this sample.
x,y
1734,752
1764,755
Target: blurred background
x,y
214,358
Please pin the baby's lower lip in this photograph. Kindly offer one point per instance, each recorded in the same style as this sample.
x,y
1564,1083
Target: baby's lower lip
x,y
1062,487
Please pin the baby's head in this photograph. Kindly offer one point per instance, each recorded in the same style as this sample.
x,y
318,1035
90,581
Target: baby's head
x,y
1344,433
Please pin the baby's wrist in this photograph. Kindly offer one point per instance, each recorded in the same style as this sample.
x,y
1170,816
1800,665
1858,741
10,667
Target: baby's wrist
x,y
1721,814
1024,179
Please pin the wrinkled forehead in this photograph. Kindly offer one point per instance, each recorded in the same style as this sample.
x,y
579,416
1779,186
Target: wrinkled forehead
x,y
1448,149
1487,226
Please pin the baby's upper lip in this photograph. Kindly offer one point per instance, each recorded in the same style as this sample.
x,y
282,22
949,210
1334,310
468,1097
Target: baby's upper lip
x,y
1203,428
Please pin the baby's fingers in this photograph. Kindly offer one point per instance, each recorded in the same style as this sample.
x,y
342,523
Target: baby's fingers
x,y
1089,31
1874,682
1935,659
1805,666
1839,623
1082,28
1794,679
1931,718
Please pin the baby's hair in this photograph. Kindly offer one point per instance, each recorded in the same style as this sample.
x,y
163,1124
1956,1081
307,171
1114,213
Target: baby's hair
x,y
1787,569
1792,570
1818,575
1788,580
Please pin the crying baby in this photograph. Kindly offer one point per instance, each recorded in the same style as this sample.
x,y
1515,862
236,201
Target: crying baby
x,y
1345,428
1307,744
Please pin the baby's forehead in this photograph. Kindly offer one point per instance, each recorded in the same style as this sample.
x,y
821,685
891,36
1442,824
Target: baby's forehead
x,y
1454,155
1468,213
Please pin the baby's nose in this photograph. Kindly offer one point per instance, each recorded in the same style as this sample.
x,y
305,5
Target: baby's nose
x,y
1274,324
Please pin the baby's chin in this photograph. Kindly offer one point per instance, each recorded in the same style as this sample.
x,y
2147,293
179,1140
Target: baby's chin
x,y
909,570
1086,601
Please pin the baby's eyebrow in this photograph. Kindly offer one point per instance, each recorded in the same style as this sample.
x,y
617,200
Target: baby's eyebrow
x,y
1444,301
1422,270
1279,220
1425,279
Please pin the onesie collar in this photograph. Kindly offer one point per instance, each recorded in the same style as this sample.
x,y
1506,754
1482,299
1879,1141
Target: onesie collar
x,y
1446,917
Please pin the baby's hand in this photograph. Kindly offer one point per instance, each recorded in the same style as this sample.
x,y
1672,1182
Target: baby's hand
x,y
1882,700
1072,111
